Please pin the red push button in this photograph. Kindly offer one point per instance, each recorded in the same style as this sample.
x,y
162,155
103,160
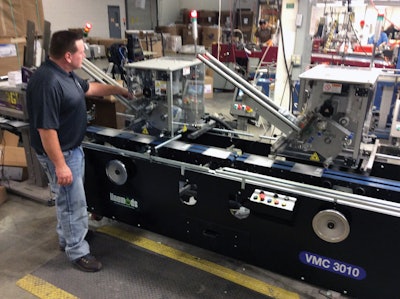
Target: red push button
x,y
262,196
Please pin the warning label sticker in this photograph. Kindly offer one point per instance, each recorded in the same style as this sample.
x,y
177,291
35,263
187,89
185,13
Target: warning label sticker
x,y
332,88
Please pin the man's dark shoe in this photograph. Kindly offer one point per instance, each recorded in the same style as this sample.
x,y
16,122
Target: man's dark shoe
x,y
88,263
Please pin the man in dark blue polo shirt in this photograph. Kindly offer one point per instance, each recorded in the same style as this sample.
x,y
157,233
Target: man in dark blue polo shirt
x,y
57,113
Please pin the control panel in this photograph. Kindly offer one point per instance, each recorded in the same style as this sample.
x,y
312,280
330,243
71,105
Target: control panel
x,y
272,199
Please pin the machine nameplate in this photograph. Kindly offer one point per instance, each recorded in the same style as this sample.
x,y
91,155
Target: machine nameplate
x,y
332,265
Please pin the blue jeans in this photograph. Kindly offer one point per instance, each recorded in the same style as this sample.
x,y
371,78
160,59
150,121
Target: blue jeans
x,y
72,215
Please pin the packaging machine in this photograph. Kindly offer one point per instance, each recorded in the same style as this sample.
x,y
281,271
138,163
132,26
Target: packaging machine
x,y
320,204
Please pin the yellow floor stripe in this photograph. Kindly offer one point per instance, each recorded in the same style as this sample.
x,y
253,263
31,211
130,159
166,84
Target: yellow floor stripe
x,y
223,272
42,289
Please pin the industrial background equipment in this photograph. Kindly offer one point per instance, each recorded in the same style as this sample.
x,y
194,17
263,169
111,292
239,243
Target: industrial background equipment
x,y
320,203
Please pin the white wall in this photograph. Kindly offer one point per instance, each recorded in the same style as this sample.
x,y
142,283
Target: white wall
x,y
76,13
214,5
169,9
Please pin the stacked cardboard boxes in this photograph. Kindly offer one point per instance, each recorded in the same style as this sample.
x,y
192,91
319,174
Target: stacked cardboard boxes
x,y
187,35
245,22
210,35
3,194
13,164
207,17
14,15
11,54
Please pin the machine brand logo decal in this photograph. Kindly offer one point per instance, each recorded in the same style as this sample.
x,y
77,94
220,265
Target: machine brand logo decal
x,y
331,265
125,201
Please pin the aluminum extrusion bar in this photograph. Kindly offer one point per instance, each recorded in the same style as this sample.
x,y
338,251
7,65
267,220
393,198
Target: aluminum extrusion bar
x,y
168,141
241,80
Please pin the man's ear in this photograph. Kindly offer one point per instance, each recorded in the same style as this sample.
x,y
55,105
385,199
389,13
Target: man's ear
x,y
68,57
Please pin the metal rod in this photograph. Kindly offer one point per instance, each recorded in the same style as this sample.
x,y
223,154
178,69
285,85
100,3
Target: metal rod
x,y
242,81
283,123
268,137
387,156
233,132
94,68
168,141
101,77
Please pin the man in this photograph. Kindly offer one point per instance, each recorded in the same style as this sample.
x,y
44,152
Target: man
x,y
57,111
382,40
264,34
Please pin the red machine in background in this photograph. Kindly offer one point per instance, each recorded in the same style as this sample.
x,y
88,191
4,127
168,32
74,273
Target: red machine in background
x,y
231,53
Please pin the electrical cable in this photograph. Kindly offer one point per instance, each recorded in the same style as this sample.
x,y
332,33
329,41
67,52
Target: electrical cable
x,y
288,72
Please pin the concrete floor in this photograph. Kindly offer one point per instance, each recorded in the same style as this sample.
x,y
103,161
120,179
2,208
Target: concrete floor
x,y
27,240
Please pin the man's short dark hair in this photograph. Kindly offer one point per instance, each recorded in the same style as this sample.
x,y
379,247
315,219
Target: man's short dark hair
x,y
262,21
63,42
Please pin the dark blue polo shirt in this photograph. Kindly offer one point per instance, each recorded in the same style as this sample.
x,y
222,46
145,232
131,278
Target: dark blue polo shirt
x,y
56,100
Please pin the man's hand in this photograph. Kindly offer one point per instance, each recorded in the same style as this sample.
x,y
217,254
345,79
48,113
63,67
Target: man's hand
x,y
64,175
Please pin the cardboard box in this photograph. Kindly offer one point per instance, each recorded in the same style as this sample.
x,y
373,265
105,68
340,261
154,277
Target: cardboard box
x,y
175,29
13,173
209,71
208,87
10,153
3,194
12,57
13,164
226,19
8,139
107,109
174,43
207,17
15,14
210,35
187,35
153,45
12,156
245,18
